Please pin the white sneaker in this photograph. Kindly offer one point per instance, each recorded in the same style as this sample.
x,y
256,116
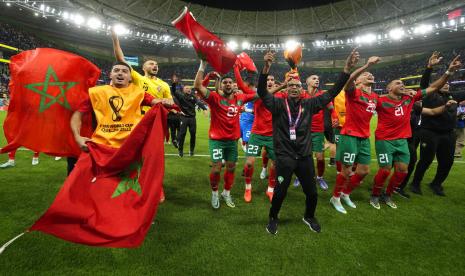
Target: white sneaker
x,y
215,201
8,164
57,158
263,173
35,161
347,201
228,200
336,202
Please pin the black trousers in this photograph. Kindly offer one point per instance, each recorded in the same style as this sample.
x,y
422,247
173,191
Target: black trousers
x,y
413,143
71,162
304,170
173,125
441,145
191,123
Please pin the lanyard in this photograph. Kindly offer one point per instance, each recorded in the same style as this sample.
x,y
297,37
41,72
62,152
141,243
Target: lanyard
x,y
293,124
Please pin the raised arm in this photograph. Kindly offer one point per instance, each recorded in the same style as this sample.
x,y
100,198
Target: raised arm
x,y
371,61
438,110
117,47
426,77
439,83
267,98
240,83
199,78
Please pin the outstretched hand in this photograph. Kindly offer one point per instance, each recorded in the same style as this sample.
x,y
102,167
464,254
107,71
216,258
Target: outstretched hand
x,y
269,58
373,60
434,59
455,64
409,92
352,60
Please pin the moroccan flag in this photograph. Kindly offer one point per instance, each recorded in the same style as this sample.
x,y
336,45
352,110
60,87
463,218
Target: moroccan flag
x,y
111,197
207,45
245,62
46,86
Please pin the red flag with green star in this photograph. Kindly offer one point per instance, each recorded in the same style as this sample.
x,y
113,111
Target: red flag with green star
x,y
46,86
207,45
112,195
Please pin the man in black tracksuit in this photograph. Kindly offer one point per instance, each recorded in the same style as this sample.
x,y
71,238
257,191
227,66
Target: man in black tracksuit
x,y
187,102
292,117
437,137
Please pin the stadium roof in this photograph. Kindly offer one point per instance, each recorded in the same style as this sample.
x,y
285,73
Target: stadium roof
x,y
271,20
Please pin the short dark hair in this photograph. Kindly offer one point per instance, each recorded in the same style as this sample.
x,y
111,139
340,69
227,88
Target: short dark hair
x,y
121,63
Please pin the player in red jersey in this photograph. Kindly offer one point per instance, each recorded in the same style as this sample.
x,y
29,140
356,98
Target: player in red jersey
x,y
224,132
393,130
354,143
318,128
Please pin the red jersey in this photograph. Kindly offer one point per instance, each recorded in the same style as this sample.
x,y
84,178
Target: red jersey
x,y
360,107
224,115
318,124
394,116
262,123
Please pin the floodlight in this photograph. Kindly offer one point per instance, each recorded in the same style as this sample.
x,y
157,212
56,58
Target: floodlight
x,y
245,45
232,45
291,45
397,33
94,23
120,29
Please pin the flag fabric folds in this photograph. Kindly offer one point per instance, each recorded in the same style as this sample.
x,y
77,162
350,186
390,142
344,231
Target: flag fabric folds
x,y
111,197
208,46
46,86
244,62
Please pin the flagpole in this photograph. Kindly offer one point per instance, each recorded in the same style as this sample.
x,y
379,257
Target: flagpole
x,y
10,242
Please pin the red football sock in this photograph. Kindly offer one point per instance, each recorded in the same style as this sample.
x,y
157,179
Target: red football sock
x,y
36,155
320,166
340,184
395,181
379,180
338,166
12,154
214,179
354,182
228,180
248,173
264,159
272,178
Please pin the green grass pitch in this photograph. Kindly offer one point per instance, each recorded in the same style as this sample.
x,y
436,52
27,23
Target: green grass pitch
x,y
425,235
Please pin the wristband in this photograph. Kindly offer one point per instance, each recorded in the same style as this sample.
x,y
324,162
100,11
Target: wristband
x,y
449,73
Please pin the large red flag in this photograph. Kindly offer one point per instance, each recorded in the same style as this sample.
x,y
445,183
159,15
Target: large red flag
x,y
112,195
207,45
46,86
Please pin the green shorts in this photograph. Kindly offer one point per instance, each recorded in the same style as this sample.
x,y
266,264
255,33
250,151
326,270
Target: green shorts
x,y
318,141
337,134
389,151
257,142
351,149
220,150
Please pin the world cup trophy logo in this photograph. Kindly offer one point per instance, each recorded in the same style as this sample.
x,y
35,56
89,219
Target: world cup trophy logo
x,y
116,103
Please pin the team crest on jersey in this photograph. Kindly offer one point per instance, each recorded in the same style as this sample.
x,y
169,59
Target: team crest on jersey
x,y
280,179
423,145
371,107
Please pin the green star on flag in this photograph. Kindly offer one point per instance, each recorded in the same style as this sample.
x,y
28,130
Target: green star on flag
x,y
129,180
60,98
